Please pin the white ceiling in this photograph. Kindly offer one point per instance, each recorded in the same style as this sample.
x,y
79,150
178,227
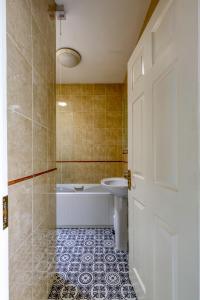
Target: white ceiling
x,y
105,33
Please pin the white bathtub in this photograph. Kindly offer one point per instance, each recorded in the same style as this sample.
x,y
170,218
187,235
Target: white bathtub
x,y
91,207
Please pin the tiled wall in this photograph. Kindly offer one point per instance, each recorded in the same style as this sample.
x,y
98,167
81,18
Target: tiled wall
x,y
31,146
89,130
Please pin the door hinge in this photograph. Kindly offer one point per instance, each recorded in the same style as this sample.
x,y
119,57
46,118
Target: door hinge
x,y
5,212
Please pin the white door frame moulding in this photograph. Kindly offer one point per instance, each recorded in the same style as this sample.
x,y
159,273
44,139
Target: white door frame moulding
x,y
199,127
4,289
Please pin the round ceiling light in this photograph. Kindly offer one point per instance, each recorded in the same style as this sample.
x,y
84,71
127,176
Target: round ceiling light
x,y
68,57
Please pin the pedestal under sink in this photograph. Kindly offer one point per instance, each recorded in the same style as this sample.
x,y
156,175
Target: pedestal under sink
x,y
118,186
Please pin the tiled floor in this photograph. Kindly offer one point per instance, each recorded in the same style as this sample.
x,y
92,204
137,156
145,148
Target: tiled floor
x,y
89,267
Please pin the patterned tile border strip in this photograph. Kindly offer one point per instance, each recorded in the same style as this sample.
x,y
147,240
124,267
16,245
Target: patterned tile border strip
x,y
14,181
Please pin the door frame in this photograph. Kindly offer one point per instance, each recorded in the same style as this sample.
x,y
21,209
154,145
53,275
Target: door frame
x,y
4,282
199,129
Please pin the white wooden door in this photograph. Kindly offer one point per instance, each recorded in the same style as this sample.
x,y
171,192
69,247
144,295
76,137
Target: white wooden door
x,y
163,155
3,154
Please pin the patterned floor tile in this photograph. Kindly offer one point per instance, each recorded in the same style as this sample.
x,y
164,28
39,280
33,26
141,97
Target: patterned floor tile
x,y
89,268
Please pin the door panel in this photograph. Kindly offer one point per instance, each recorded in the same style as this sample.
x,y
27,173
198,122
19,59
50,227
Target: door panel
x,y
165,262
162,32
137,135
163,155
139,247
165,129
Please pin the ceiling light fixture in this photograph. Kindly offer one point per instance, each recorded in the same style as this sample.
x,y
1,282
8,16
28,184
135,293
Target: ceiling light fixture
x,y
68,57
62,103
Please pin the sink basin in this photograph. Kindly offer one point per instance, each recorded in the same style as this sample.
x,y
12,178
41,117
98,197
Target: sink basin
x,y
118,186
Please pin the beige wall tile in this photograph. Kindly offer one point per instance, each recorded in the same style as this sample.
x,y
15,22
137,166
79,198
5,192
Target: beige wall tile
x,y
114,152
19,86
31,145
64,89
125,157
39,148
87,89
84,173
95,133
82,136
40,285
99,103
99,172
99,152
83,119
99,136
124,167
19,146
114,120
66,121
86,152
67,171
76,101
99,89
77,152
59,172
87,103
113,136
41,18
51,217
52,212
20,272
67,152
68,135
39,51
40,99
79,135
113,89
99,120
114,103
40,200
20,214
89,136
76,89
19,26
51,108
68,100
113,170
51,149
58,147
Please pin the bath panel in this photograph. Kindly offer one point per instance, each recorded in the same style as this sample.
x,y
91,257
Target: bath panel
x,y
91,207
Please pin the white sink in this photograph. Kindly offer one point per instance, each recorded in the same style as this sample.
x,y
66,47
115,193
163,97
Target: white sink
x,y
118,186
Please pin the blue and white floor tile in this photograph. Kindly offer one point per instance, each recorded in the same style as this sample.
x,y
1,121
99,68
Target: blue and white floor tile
x,y
89,268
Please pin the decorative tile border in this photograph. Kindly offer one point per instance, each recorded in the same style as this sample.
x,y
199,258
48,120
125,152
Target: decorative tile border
x,y
89,161
14,181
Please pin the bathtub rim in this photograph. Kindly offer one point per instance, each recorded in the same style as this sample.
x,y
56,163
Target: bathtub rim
x,y
104,192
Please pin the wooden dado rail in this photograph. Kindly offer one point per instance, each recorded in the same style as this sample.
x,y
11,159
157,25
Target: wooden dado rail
x,y
14,181
91,161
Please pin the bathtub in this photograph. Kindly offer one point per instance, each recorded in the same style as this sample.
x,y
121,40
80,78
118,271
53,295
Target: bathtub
x,y
83,205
